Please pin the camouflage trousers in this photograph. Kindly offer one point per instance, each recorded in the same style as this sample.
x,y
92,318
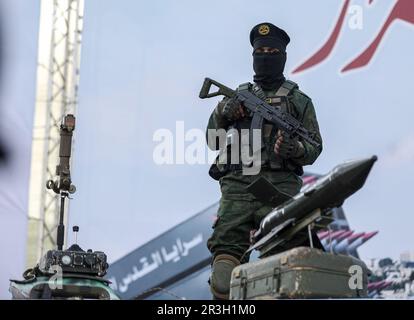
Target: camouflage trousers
x,y
240,212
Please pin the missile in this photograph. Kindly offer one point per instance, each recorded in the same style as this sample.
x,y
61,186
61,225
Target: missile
x,y
339,239
323,234
355,237
333,237
371,286
374,285
385,285
377,286
358,242
343,245
327,192
369,235
345,235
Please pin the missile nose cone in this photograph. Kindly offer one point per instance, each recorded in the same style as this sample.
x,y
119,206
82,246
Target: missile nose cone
x,y
369,235
356,172
365,165
360,169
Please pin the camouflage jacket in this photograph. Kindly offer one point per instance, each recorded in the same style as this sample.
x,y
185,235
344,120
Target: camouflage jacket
x,y
300,106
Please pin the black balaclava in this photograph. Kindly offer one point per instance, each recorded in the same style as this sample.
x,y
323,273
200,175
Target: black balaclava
x,y
268,67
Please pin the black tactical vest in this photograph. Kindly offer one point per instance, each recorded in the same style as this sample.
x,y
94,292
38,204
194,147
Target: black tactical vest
x,y
269,159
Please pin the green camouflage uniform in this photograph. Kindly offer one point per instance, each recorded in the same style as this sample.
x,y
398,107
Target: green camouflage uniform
x,y
239,211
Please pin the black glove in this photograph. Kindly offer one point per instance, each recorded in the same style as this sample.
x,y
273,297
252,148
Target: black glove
x,y
232,110
287,147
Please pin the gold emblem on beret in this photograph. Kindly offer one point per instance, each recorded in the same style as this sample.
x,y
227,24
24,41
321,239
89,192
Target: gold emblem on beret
x,y
264,29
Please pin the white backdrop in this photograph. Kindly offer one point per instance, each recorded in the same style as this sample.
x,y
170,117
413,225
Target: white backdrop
x,y
142,67
19,22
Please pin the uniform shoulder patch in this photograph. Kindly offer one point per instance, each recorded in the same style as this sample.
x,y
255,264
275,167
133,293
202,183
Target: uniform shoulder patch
x,y
300,94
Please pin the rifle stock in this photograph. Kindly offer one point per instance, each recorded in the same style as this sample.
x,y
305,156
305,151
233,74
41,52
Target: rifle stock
x,y
222,89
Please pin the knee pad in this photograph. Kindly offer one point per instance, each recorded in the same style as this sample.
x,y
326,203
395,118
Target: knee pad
x,y
220,277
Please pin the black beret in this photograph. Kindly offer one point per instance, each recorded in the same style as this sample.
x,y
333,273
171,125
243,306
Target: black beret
x,y
268,35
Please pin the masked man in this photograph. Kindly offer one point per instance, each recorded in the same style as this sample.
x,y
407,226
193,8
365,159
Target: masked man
x,y
282,157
